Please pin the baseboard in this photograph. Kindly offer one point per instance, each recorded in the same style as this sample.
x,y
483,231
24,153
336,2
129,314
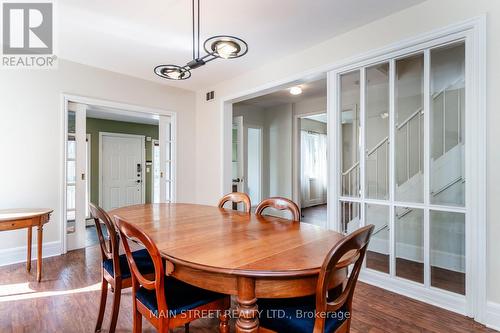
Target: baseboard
x,y
493,315
18,254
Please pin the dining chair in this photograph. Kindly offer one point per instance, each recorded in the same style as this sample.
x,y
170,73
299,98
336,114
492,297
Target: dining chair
x,y
321,312
165,301
236,197
279,204
115,271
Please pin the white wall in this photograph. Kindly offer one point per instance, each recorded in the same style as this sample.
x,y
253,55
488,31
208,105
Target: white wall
x,y
312,125
428,16
255,116
31,134
280,122
276,123
310,105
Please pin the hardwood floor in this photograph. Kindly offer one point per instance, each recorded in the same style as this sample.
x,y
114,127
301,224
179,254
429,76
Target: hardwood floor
x,y
67,301
315,214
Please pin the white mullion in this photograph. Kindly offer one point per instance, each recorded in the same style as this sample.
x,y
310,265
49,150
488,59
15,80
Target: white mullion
x,y
362,109
334,130
415,205
362,98
392,182
426,153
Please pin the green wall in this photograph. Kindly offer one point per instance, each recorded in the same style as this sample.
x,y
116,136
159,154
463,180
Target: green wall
x,y
94,126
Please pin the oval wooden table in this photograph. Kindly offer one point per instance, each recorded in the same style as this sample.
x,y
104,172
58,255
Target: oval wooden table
x,y
234,253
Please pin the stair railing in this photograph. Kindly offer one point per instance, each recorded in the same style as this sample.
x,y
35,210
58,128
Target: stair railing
x,y
406,126
374,155
350,178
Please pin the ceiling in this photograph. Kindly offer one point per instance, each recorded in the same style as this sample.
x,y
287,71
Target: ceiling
x,y
282,96
132,37
322,118
99,112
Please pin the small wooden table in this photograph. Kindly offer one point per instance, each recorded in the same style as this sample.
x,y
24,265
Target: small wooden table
x,y
11,219
236,253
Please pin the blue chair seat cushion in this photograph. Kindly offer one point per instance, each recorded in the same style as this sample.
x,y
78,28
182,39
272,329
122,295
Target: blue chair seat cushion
x,y
296,315
142,260
180,297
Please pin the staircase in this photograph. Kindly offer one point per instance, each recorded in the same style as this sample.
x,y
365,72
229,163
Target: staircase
x,y
446,161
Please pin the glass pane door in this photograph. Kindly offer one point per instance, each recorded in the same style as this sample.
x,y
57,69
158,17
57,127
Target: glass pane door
x,y
407,117
167,159
77,187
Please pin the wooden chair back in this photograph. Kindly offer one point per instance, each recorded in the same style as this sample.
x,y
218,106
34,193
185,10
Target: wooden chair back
x,y
350,251
279,204
236,197
129,232
109,246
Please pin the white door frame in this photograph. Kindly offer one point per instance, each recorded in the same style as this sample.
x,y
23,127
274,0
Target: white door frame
x,y
153,143
143,162
475,29
126,107
240,122
475,225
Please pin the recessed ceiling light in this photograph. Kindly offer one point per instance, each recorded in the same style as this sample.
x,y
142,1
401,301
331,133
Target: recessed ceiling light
x,y
295,90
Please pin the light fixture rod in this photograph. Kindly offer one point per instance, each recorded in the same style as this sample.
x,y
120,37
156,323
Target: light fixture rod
x,y
194,54
198,28
230,46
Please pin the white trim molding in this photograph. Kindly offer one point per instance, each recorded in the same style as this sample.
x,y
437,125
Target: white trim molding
x,y
18,254
493,315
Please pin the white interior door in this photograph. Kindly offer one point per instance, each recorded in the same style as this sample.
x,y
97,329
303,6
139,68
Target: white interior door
x,y
76,176
122,163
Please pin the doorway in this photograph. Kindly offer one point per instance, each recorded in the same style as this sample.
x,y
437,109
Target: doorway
x,y
313,162
117,171
267,135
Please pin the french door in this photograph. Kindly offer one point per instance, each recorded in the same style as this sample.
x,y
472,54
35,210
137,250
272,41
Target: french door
x,y
402,126
167,159
77,190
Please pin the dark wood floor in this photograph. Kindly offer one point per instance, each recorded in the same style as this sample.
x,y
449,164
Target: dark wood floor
x,y
411,270
315,215
67,301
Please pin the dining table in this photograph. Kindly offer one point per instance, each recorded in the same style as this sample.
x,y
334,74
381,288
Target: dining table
x,y
236,253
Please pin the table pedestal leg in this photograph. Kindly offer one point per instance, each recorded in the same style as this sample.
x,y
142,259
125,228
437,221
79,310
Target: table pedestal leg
x,y
248,321
39,256
28,259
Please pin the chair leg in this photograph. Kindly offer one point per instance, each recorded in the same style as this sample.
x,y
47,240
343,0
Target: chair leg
x,y
186,328
102,304
224,322
116,305
137,326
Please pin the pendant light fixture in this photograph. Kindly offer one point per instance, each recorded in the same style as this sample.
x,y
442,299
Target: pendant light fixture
x,y
224,47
